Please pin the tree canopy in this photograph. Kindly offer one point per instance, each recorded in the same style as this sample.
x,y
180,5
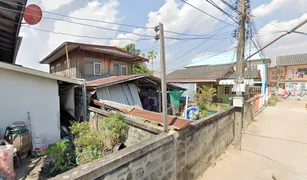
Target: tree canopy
x,y
139,68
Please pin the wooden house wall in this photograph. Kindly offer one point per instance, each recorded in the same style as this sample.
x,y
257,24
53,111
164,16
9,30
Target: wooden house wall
x,y
77,64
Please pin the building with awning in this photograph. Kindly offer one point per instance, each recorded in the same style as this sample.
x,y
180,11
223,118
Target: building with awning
x,y
220,77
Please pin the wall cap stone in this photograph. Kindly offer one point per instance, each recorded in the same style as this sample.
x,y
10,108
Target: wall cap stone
x,y
112,161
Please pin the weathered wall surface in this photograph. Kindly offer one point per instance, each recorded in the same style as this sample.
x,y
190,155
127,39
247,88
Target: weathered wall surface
x,y
202,142
137,135
22,93
152,159
138,131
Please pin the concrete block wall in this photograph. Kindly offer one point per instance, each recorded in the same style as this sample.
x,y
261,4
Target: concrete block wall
x,y
178,155
199,145
152,159
139,131
137,135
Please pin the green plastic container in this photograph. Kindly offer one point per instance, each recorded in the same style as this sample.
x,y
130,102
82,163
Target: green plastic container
x,y
18,131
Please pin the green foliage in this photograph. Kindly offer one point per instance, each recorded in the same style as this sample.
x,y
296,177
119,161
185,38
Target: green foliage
x,y
59,159
88,156
273,100
131,48
139,68
85,138
113,130
205,94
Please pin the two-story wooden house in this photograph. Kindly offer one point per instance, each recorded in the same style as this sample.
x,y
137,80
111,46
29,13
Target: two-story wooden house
x,y
90,62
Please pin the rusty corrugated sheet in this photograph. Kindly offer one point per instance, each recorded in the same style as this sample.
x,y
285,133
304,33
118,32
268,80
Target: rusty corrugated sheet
x,y
175,122
111,80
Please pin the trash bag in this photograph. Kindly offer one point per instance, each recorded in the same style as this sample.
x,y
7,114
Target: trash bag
x,y
6,160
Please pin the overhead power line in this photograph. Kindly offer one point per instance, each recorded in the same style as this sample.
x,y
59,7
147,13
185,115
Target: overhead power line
x,y
82,19
83,36
230,6
219,8
78,23
207,13
93,20
195,46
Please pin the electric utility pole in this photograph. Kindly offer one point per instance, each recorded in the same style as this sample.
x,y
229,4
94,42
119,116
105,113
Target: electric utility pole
x,y
239,86
163,74
241,47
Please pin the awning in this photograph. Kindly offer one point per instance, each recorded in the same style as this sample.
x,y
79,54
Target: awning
x,y
232,82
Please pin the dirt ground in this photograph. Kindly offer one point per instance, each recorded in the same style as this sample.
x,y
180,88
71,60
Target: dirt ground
x,y
30,168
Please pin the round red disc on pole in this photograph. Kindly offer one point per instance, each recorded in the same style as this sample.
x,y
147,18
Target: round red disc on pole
x,y
32,14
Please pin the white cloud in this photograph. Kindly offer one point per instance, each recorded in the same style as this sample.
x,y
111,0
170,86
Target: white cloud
x,y
130,36
180,18
290,44
93,10
51,5
274,5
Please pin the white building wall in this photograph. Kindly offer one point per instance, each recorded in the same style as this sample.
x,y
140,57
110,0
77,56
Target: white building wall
x,y
191,89
22,93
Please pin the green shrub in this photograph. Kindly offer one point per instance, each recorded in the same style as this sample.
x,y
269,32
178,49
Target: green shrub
x,y
60,159
113,130
272,101
86,138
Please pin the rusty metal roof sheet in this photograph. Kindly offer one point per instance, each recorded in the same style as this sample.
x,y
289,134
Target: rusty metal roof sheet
x,y
10,23
112,50
113,80
175,122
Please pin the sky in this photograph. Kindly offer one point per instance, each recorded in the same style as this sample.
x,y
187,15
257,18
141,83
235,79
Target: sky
x,y
271,17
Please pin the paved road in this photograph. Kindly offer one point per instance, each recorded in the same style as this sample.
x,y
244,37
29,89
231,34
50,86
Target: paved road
x,y
274,145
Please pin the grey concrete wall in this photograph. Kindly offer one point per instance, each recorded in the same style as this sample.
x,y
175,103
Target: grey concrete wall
x,y
137,135
139,131
202,142
152,159
248,113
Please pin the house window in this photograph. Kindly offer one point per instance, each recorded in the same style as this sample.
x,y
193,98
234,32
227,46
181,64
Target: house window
x,y
97,68
52,69
58,67
227,90
65,65
92,67
116,71
124,70
301,72
274,74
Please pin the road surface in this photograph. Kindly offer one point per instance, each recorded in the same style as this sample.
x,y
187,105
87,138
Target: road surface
x,y
275,146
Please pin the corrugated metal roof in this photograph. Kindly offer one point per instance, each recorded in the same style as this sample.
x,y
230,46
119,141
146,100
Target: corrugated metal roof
x,y
198,74
175,122
248,74
13,67
10,22
294,59
112,50
113,80
223,58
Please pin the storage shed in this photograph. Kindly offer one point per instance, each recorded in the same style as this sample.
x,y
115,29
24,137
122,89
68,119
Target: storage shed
x,y
36,98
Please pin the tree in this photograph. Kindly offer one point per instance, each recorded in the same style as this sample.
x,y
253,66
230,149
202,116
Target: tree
x,y
139,68
152,55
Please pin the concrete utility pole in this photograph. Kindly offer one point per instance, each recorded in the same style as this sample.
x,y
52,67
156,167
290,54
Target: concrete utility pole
x,y
239,87
163,75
